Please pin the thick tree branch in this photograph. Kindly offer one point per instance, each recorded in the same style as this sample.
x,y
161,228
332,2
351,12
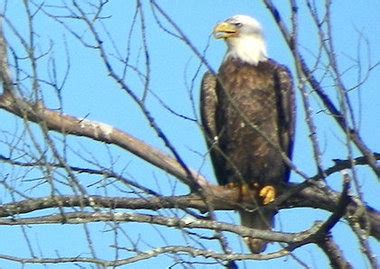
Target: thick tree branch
x,y
66,124
332,250
219,198
323,237
340,209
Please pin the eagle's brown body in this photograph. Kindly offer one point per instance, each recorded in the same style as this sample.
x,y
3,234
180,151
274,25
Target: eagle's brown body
x,y
248,117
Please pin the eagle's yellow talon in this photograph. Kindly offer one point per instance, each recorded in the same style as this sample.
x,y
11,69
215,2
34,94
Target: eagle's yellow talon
x,y
268,193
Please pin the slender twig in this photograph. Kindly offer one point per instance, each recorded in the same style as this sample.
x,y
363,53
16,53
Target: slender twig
x,y
304,92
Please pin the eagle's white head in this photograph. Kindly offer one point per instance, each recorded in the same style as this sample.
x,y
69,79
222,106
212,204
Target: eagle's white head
x,y
244,37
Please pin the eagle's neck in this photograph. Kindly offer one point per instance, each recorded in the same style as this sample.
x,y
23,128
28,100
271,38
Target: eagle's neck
x,y
250,49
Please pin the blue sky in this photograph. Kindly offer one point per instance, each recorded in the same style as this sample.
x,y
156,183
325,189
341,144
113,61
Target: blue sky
x,y
89,93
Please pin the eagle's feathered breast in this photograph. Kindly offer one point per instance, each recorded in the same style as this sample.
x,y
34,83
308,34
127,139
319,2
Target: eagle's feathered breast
x,y
249,121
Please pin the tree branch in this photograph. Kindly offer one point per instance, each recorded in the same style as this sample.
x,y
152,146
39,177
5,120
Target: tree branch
x,y
66,124
323,237
5,75
218,197
194,252
174,222
332,250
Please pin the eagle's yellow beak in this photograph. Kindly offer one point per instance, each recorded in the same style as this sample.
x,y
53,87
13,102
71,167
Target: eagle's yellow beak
x,y
225,30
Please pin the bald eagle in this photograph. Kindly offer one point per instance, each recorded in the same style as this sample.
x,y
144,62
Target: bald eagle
x,y
248,115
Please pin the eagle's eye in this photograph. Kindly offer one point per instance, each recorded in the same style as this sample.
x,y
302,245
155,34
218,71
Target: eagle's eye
x,y
238,24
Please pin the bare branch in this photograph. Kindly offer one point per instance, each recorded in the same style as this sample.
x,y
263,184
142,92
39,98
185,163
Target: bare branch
x,y
332,250
5,75
219,198
194,252
90,217
65,124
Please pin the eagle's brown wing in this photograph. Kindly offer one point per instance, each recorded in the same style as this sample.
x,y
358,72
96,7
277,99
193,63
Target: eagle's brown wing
x,y
208,109
209,101
287,111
